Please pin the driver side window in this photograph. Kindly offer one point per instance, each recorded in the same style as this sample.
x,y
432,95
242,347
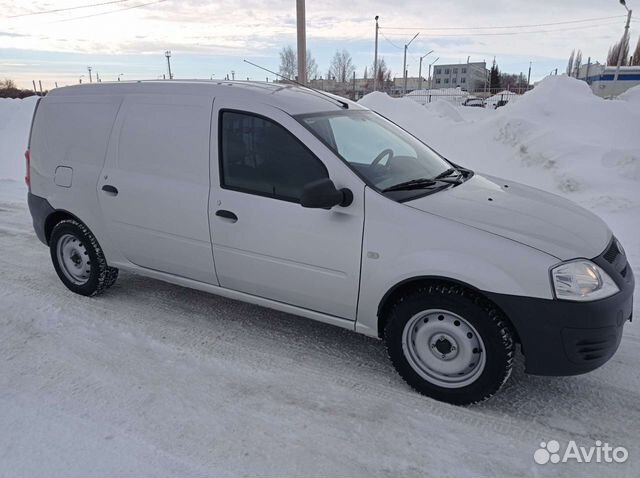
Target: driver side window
x,y
258,156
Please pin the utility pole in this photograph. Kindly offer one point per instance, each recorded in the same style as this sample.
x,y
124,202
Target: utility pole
x,y
35,90
40,83
168,55
430,79
97,77
621,52
233,75
529,76
302,42
375,59
420,69
404,64
354,86
90,77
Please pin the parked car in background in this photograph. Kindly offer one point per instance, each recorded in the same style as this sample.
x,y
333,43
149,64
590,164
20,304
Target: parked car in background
x,y
313,205
474,102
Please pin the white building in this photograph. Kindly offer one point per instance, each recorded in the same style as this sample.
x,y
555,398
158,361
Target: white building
x,y
468,76
600,78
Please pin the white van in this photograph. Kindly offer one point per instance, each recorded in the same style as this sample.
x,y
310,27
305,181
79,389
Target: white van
x,y
291,199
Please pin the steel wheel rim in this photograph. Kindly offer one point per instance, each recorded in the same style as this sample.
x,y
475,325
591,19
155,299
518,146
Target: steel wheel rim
x,y
73,259
444,348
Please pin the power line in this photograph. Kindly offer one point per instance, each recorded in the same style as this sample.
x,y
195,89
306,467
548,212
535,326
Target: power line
x,y
514,33
389,41
56,10
112,11
509,26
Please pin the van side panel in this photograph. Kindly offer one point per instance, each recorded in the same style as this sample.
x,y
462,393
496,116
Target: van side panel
x,y
158,164
70,135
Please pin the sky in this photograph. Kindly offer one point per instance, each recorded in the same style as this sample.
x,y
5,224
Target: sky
x,y
128,38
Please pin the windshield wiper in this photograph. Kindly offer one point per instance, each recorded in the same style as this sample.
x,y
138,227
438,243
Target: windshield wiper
x,y
446,173
412,184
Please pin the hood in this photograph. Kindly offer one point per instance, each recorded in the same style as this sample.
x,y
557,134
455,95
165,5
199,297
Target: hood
x,y
527,215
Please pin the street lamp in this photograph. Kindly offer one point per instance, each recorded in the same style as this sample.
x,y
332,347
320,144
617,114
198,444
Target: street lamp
x,y
168,55
404,65
121,74
420,69
430,65
621,51
375,58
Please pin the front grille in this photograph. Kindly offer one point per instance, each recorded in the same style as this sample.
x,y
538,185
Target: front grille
x,y
612,253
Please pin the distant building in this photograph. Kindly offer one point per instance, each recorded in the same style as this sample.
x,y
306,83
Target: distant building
x,y
600,78
468,76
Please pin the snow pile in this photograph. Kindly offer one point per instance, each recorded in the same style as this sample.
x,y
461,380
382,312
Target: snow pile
x,y
558,137
632,96
15,121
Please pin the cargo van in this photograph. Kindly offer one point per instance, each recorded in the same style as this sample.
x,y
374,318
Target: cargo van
x,y
310,204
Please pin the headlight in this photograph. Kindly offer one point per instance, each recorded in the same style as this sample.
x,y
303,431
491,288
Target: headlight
x,y
582,280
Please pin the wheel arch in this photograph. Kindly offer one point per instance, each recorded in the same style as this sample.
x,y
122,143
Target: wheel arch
x,y
54,218
411,283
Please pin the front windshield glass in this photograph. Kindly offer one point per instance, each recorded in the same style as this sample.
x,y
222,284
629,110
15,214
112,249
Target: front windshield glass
x,y
380,151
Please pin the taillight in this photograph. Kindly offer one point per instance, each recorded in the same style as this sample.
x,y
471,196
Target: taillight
x,y
27,177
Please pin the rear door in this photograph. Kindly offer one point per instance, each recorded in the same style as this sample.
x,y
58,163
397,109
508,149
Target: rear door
x,y
154,188
265,243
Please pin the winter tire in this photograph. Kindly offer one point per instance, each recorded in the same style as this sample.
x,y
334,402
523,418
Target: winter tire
x,y
78,258
449,343
112,276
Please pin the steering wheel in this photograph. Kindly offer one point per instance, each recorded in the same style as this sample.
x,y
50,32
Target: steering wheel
x,y
385,152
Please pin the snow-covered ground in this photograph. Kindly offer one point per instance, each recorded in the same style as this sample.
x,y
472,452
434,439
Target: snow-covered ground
x,y
152,379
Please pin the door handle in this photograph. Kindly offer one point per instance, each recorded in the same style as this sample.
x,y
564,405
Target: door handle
x,y
223,213
111,190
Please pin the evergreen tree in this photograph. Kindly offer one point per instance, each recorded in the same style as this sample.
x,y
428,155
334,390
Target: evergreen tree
x,y
494,78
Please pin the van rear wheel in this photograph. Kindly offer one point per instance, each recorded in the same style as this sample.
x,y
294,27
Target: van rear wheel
x,y
78,258
449,343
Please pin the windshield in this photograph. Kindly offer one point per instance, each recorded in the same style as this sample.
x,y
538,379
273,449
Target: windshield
x,y
380,151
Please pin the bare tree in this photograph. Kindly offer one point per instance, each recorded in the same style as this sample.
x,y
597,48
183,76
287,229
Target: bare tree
x,y
614,51
635,60
288,63
311,67
577,63
384,73
570,63
342,66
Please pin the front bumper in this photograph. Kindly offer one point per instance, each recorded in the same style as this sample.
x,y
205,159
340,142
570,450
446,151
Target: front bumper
x,y
561,337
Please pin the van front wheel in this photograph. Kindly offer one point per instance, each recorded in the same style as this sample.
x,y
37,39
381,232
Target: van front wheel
x,y
449,343
78,258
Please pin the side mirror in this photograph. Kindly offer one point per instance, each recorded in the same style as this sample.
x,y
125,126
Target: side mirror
x,y
323,194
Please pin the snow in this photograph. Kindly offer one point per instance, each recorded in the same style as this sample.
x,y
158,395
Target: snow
x,y
15,122
152,379
632,95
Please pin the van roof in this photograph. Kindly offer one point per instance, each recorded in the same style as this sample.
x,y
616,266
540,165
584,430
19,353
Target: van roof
x,y
292,99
